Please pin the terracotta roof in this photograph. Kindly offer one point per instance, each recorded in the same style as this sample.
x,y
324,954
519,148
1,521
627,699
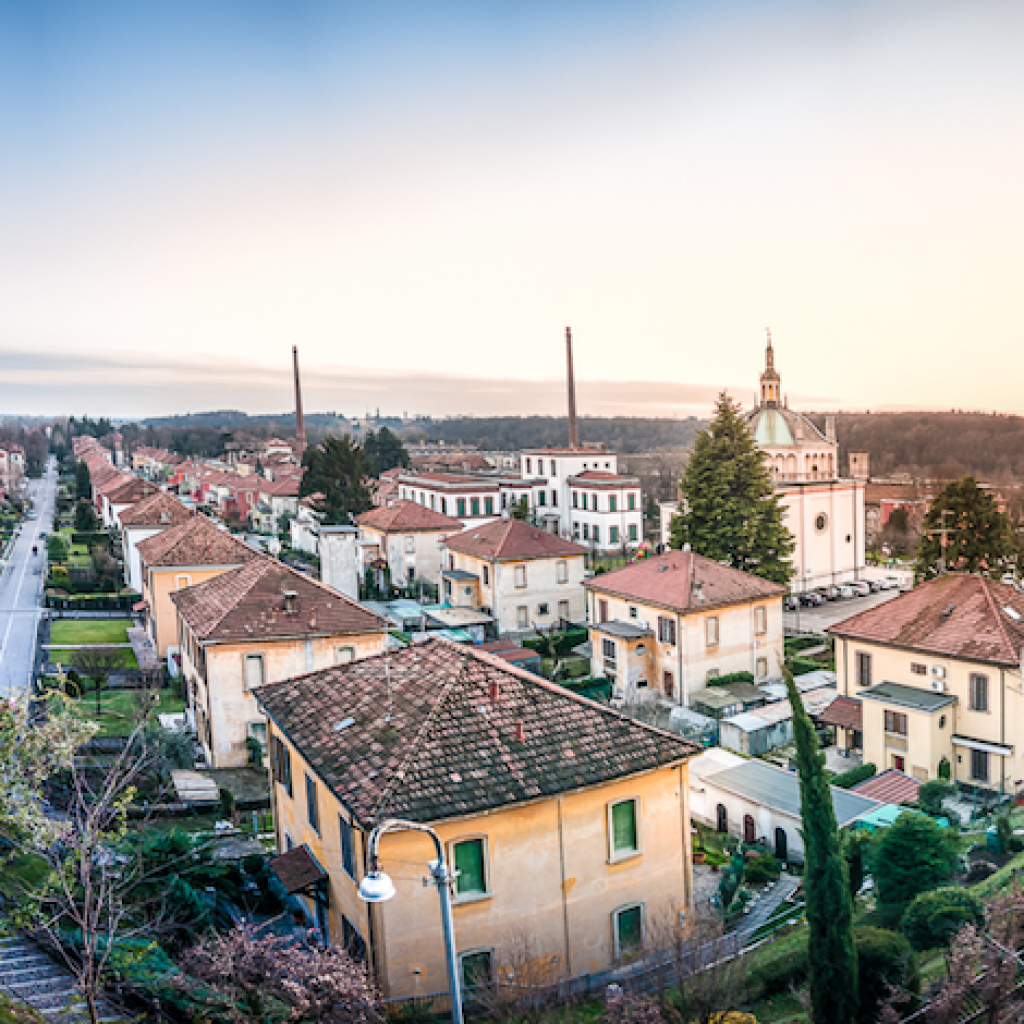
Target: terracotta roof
x,y
511,539
131,490
407,515
669,580
195,542
845,712
956,615
889,787
160,509
113,483
601,478
248,603
468,733
298,869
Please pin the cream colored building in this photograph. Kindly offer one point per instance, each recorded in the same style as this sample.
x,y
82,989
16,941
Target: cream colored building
x,y
938,677
568,823
521,575
664,627
256,624
406,538
824,513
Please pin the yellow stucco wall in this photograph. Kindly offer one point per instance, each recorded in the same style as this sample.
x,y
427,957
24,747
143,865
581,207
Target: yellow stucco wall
x,y
159,584
552,888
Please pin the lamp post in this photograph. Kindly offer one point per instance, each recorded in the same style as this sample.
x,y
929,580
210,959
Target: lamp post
x,y
377,887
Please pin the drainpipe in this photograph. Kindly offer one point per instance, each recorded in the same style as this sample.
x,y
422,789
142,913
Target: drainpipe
x,y
565,895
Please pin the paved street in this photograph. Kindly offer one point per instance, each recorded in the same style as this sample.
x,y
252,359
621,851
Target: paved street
x,y
21,587
817,619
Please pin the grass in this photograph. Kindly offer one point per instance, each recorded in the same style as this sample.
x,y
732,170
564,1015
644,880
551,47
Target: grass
x,y
119,709
20,872
90,631
12,1012
65,656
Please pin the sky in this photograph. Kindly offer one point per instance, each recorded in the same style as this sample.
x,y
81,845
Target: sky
x,y
422,196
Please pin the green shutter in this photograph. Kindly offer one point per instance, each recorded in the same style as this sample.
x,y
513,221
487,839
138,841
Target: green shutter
x,y
624,827
628,922
469,862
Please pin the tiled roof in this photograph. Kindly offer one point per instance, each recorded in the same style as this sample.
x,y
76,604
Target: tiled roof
x,y
248,603
407,515
599,478
113,483
131,490
438,730
298,869
160,509
956,615
845,712
670,580
195,542
512,539
890,787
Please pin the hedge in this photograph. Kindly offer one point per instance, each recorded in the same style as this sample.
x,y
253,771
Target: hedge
x,y
801,666
90,538
799,643
732,677
848,779
594,688
92,602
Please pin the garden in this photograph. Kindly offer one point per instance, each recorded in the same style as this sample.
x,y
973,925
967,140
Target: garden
x,y
84,573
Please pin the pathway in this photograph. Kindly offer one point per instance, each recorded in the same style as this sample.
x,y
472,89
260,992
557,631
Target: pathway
x,y
31,976
142,645
767,903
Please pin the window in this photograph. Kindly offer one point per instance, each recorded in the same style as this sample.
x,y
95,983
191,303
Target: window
x,y
575,500
348,847
762,668
711,631
542,497
182,581
528,470
896,723
628,924
979,765
522,617
632,532
474,506
623,829
489,506
343,655
477,969
281,764
613,534
631,500
470,861
444,506
596,535
632,611
668,683
253,671
410,544
487,575
586,531
608,650
289,843
979,692
554,499
612,503
863,669
351,941
584,501
312,808
554,471
520,575
460,504
760,620
542,610
667,630
563,610
712,673
602,610
594,496
918,669
562,571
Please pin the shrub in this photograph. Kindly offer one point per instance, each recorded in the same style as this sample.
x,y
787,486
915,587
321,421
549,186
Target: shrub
x,y
765,868
935,917
912,856
932,794
883,959
1004,832
801,666
979,871
227,803
732,677
1016,844
799,643
844,780
945,769
778,971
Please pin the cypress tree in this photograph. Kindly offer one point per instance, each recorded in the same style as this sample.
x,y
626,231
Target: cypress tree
x,y
831,951
731,512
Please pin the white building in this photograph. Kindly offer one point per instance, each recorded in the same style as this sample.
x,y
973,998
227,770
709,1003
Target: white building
x,y
824,513
145,519
472,499
406,538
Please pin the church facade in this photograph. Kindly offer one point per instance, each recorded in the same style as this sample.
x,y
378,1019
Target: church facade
x,y
823,512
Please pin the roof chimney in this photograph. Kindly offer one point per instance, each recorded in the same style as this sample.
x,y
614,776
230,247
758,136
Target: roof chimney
x,y
520,731
698,590
495,689
574,433
300,423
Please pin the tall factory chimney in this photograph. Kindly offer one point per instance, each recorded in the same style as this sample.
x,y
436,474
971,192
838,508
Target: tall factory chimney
x,y
300,423
574,430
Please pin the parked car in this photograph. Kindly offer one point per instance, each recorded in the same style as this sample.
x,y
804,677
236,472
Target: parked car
x,y
875,585
861,588
846,591
831,592
811,599
790,603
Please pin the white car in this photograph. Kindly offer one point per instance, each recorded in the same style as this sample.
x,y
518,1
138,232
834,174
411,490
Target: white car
x,y
861,589
847,591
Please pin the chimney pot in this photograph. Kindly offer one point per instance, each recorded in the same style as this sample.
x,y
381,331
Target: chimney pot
x,y
495,690
520,731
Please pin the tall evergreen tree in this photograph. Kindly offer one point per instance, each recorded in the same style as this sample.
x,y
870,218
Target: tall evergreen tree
x,y
979,534
384,450
831,951
731,513
335,472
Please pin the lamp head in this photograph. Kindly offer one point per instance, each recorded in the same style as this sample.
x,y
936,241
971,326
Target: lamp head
x,y
376,887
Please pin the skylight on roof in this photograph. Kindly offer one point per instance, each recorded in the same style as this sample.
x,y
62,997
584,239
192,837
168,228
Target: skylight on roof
x,y
1013,613
344,724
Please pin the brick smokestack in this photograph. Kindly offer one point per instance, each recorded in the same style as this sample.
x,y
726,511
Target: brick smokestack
x,y
300,423
574,430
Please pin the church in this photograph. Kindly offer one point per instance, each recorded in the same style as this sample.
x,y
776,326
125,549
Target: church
x,y
823,512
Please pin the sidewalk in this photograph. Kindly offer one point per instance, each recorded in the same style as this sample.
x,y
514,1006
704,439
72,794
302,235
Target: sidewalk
x,y
145,654
762,907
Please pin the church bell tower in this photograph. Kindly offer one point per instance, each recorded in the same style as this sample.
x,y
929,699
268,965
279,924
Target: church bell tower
x,y
770,389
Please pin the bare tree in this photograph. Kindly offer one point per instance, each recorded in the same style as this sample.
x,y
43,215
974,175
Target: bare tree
x,y
97,663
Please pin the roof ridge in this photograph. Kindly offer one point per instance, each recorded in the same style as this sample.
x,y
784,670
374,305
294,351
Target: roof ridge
x,y
995,611
262,563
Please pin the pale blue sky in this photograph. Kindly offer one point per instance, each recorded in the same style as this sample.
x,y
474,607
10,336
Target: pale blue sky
x,y
426,191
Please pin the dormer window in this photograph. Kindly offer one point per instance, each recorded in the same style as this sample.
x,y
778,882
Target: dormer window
x,y
291,602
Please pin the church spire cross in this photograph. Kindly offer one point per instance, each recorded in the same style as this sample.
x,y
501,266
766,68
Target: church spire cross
x,y
770,390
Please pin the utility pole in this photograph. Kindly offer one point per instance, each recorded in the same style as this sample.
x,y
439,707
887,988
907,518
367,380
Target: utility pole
x,y
942,533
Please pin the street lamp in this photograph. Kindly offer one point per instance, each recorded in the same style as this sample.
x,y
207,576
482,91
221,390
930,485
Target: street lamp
x,y
377,887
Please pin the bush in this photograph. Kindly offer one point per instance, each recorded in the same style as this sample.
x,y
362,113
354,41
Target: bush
x,y
800,666
800,643
932,794
732,677
763,869
883,959
912,856
778,971
979,871
935,917
844,780
1016,844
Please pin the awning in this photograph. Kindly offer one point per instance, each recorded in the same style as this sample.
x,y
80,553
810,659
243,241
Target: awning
x,y
298,869
989,748
140,606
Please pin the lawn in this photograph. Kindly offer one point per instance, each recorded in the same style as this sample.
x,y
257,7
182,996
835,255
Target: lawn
x,y
119,708
66,657
90,631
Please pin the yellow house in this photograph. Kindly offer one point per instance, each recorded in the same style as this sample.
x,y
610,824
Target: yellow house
x,y
182,557
259,623
937,674
568,822
668,626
